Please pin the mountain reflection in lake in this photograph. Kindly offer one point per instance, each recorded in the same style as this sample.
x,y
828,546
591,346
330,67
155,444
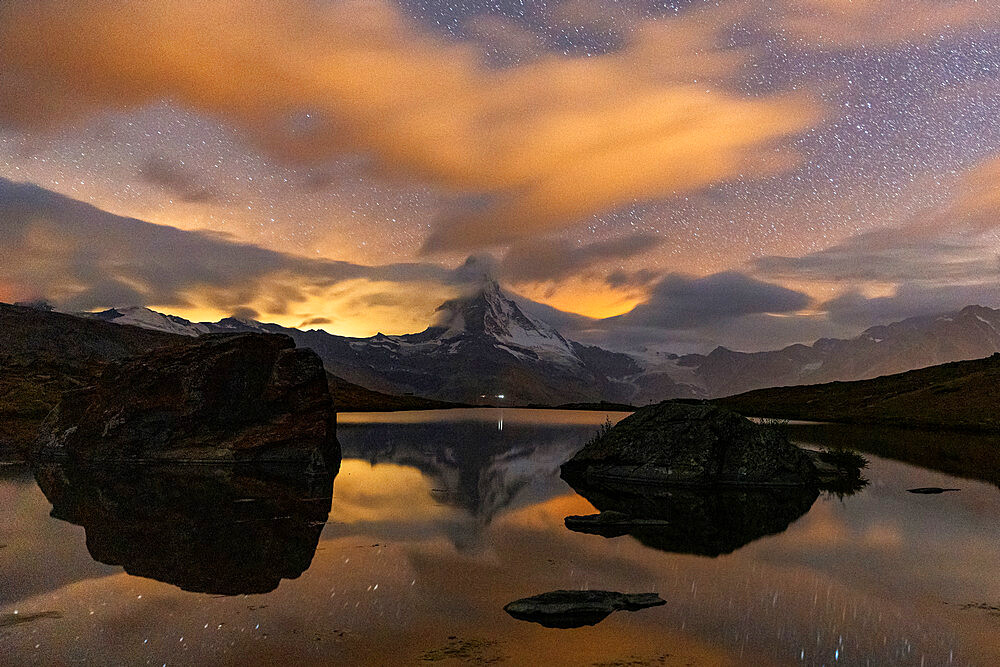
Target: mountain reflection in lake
x,y
439,519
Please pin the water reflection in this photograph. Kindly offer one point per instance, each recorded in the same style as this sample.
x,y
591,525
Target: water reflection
x,y
205,529
475,464
881,577
973,456
690,520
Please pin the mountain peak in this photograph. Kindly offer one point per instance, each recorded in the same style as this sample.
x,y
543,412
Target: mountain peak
x,y
489,314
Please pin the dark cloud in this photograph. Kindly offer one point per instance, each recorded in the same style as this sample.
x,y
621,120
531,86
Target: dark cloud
x,y
82,257
909,300
681,302
312,321
177,180
555,259
890,255
637,278
245,312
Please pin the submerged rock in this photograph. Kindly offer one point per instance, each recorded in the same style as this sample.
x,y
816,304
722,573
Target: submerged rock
x,y
574,609
931,490
220,398
694,444
612,523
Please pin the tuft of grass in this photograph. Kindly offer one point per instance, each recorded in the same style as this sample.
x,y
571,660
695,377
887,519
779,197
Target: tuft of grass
x,y
602,431
779,426
850,464
844,458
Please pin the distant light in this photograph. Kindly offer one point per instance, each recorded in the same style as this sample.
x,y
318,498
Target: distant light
x,y
499,395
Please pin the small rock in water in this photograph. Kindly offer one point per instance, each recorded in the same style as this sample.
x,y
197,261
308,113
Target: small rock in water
x,y
927,490
574,609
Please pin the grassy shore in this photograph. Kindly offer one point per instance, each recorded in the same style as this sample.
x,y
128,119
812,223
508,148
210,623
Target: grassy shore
x,y
960,396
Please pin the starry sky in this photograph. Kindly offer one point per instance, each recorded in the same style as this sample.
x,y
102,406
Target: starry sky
x,y
676,174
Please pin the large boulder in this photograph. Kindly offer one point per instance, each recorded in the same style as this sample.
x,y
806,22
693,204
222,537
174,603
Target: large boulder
x,y
229,398
695,444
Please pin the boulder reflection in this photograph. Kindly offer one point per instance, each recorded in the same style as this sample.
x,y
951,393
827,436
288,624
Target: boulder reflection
x,y
208,529
706,521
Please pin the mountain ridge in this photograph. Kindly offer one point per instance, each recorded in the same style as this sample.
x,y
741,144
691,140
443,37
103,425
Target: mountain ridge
x,y
484,345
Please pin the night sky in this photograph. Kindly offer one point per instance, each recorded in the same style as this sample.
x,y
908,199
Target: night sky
x,y
676,174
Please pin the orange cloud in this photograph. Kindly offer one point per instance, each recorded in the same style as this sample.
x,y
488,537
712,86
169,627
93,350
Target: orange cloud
x,y
537,147
853,23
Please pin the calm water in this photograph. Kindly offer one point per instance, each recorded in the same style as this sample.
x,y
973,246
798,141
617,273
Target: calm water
x,y
439,519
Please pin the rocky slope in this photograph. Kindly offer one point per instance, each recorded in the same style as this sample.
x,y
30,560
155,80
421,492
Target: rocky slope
x,y
43,354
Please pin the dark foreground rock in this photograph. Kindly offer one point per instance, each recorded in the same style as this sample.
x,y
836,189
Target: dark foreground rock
x,y
574,609
223,398
224,530
694,444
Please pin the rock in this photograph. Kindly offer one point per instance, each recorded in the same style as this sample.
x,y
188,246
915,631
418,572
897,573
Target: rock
x,y
245,397
929,490
693,444
218,529
611,523
574,609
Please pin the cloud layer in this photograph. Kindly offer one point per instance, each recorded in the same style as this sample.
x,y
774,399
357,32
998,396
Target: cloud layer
x,y
524,149
84,258
681,302
940,260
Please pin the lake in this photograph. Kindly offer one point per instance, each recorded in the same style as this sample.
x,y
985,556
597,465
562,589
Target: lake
x,y
438,519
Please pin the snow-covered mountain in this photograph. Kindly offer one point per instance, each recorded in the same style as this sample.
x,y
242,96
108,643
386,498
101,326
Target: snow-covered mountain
x,y
140,316
488,313
483,347
917,342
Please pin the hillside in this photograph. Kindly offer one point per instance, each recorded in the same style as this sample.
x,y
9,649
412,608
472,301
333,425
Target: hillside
x,y
350,397
963,395
43,354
